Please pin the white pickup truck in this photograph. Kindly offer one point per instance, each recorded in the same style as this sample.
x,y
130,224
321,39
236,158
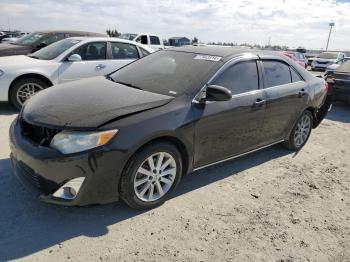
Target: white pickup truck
x,y
153,41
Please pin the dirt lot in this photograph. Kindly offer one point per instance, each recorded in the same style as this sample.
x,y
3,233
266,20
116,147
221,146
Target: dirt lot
x,y
272,205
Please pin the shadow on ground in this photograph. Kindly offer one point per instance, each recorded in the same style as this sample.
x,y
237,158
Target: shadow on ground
x,y
28,226
7,109
340,112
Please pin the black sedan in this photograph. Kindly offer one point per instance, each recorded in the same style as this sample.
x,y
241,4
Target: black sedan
x,y
132,134
37,40
339,82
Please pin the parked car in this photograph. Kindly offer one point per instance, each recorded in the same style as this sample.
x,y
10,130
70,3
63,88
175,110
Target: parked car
x,y
153,41
7,35
334,66
37,40
325,59
66,60
133,134
339,82
297,58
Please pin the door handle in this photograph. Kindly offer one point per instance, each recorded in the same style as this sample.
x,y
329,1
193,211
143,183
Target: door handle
x,y
259,103
100,66
302,93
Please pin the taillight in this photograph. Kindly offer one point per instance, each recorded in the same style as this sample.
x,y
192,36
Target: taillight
x,y
326,87
330,79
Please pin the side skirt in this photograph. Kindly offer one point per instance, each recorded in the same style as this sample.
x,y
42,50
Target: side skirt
x,y
236,156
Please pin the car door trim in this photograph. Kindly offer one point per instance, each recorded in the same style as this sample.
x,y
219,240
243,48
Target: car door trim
x,y
239,155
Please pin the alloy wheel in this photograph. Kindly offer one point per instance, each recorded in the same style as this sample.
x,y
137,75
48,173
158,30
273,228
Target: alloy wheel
x,y
302,130
155,176
26,91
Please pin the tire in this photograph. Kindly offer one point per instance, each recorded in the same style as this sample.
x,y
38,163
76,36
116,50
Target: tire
x,y
130,188
293,143
34,84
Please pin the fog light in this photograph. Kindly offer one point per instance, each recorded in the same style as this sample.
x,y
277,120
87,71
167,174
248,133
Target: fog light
x,y
70,189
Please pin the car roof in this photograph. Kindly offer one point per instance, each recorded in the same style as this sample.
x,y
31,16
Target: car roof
x,y
226,52
70,31
93,38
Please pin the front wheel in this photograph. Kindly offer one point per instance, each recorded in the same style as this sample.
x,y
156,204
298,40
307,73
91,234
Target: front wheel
x,y
24,89
301,132
151,175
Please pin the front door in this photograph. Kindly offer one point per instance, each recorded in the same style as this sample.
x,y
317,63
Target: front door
x,y
225,129
94,63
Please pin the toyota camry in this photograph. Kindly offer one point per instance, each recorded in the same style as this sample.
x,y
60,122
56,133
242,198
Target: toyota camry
x,y
133,134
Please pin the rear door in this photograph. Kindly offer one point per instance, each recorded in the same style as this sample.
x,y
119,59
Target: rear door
x,y
286,96
94,62
231,127
120,54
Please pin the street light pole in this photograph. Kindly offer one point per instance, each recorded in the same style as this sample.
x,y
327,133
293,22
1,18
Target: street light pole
x,y
329,35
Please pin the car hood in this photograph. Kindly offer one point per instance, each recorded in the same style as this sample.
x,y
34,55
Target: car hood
x,y
18,60
325,60
7,49
88,104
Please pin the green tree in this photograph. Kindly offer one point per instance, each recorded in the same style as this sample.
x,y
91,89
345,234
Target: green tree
x,y
195,40
112,33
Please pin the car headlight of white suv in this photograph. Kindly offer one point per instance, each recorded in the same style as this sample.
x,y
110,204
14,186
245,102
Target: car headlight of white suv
x,y
1,73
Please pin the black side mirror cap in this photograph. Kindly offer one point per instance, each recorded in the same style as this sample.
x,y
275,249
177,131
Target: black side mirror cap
x,y
217,93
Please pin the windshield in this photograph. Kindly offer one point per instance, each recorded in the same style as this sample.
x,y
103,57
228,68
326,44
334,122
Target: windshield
x,y
344,67
128,36
167,72
328,55
54,50
29,39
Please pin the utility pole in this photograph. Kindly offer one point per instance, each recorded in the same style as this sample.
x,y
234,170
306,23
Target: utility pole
x,y
329,35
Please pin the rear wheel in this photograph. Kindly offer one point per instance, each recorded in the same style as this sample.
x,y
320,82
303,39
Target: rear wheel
x,y
24,89
151,175
301,132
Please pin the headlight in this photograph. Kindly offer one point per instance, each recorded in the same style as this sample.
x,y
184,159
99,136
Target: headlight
x,y
1,72
68,142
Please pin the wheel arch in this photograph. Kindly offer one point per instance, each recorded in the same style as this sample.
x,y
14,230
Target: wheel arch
x,y
313,111
180,145
29,75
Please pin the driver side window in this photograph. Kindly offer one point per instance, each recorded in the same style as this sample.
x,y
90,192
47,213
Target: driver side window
x,y
240,78
142,39
92,51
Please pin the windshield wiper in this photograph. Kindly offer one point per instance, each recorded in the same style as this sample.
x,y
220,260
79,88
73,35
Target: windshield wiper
x,y
127,84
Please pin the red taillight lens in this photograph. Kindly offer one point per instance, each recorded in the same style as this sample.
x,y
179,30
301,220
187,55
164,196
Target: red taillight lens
x,y
330,79
326,87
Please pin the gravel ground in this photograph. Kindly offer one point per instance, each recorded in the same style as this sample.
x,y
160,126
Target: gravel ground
x,y
272,205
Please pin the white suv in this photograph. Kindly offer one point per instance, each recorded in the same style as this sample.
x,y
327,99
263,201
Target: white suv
x,y
326,59
153,41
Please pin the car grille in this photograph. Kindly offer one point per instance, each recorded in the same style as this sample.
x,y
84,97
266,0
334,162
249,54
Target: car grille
x,y
37,134
322,63
28,174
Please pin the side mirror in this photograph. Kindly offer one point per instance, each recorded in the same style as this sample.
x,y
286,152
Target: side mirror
x,y
217,93
74,58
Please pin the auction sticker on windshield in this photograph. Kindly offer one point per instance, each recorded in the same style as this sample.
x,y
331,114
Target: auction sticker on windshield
x,y
208,57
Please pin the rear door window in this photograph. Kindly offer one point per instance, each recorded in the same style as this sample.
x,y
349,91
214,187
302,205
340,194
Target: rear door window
x,y
142,39
295,76
276,73
124,51
240,78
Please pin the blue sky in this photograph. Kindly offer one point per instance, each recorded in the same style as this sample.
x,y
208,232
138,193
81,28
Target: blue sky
x,y
286,22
